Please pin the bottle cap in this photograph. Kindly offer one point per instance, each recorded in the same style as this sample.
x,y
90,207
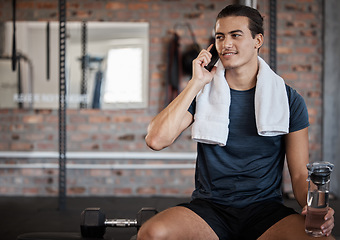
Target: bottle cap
x,y
320,172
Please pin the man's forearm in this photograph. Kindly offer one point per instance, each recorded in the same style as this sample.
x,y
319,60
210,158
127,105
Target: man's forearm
x,y
300,188
170,122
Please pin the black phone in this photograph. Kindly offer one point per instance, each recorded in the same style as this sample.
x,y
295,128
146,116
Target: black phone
x,y
214,58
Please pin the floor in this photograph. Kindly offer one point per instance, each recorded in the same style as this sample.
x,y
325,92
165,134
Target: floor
x,y
22,215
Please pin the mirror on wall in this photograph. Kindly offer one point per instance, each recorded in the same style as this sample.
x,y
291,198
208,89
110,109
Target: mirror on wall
x,y
106,62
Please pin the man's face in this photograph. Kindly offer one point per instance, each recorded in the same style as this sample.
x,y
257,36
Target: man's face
x,y
234,42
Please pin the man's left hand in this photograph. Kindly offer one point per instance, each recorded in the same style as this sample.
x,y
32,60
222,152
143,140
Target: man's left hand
x,y
328,226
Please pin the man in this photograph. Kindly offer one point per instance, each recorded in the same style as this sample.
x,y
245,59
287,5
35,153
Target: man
x,y
237,193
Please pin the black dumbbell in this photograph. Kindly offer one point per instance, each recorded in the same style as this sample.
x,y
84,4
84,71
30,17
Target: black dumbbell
x,y
93,222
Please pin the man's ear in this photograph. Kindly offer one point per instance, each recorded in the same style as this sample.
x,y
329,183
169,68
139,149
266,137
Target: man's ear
x,y
258,41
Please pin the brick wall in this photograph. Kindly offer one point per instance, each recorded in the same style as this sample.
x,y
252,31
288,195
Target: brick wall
x,y
299,62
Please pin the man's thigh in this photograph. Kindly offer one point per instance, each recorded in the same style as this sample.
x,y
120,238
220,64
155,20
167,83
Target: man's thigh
x,y
176,223
290,228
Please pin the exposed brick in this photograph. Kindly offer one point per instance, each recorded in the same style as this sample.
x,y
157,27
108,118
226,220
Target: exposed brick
x,y
115,6
99,190
101,137
76,190
187,172
302,68
33,119
122,191
293,7
296,24
43,111
193,15
111,147
4,146
187,191
51,190
305,50
146,190
314,94
35,137
47,5
72,5
42,146
290,76
156,7
308,33
99,173
138,6
305,16
30,191
21,146
15,137
201,6
79,137
284,50
51,119
87,127
127,137
150,15
169,191
123,15
25,4
76,119
82,14
93,5
122,119
32,172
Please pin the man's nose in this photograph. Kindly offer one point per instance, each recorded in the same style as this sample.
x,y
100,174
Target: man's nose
x,y
228,43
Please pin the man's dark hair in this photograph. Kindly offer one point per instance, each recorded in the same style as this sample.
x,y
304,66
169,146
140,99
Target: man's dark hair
x,y
255,18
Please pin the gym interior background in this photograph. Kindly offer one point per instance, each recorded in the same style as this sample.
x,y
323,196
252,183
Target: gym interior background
x,y
105,150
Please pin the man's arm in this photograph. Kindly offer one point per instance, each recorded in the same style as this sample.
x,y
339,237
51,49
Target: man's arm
x,y
175,118
297,154
297,158
169,123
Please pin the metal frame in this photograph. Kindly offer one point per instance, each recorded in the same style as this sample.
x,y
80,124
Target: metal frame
x,y
164,160
84,63
62,105
272,37
178,156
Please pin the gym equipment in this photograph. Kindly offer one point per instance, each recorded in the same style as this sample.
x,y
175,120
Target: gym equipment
x,y
93,222
62,105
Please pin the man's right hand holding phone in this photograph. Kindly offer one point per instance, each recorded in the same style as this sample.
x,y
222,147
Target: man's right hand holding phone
x,y
200,73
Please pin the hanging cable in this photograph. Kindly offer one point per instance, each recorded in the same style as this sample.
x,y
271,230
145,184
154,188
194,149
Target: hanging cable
x,y
48,51
14,50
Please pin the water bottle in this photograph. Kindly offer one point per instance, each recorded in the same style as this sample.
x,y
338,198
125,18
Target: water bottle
x,y
318,196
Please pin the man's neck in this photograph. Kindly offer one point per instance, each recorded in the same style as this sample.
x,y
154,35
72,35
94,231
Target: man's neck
x,y
243,78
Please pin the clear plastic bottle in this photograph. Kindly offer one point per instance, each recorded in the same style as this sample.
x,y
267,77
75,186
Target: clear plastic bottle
x,y
318,196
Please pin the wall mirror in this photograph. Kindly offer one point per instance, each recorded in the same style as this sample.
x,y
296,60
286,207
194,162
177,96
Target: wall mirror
x,y
107,65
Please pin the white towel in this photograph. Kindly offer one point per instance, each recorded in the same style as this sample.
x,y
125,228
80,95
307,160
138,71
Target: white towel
x,y
211,123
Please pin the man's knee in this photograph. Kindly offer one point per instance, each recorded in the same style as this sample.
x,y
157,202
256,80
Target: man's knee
x,y
152,230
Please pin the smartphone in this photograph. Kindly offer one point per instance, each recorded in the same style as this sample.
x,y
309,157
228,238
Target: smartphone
x,y
214,58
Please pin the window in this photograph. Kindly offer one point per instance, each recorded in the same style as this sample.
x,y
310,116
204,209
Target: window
x,y
122,84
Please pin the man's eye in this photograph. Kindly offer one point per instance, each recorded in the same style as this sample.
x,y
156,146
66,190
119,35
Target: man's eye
x,y
236,35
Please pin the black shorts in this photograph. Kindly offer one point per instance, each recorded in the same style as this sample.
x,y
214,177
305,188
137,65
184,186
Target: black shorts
x,y
239,223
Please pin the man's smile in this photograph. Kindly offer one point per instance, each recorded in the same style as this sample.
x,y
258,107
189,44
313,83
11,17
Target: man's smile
x,y
229,53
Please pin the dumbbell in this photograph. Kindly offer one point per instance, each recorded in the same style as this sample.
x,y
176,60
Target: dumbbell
x,y
93,222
